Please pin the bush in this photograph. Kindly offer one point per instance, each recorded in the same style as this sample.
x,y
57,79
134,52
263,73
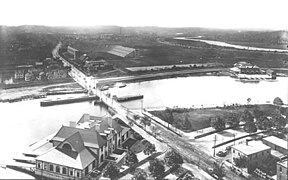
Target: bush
x,y
278,101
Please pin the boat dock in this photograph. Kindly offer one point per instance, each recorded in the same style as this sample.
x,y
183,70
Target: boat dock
x,y
53,102
128,98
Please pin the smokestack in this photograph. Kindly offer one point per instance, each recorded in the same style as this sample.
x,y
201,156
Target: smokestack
x,y
72,124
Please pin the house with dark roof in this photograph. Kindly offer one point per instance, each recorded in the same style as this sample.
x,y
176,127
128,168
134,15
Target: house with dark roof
x,y
80,147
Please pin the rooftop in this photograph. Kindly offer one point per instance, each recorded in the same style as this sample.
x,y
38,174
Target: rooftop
x,y
283,163
91,137
68,158
277,141
252,147
120,50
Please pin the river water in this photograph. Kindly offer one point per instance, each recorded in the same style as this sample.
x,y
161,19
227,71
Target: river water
x,y
224,44
25,122
202,91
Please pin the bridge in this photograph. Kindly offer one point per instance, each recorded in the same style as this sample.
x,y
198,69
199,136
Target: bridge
x,y
166,139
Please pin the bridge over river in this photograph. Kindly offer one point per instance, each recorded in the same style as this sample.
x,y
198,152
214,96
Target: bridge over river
x,y
167,138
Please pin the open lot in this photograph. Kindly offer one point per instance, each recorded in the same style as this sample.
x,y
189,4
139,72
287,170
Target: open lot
x,y
200,118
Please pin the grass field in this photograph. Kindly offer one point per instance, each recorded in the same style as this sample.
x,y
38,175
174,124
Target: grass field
x,y
200,118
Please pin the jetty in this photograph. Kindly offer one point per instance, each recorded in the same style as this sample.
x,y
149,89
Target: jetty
x,y
128,98
69,100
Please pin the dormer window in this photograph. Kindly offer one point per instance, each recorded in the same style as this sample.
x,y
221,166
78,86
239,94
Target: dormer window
x,y
67,146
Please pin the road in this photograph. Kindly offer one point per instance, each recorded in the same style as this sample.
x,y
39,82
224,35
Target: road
x,y
187,150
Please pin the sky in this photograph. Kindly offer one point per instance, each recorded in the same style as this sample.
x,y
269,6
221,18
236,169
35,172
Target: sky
x,y
259,14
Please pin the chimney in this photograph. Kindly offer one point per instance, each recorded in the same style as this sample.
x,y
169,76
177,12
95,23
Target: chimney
x,y
110,123
72,124
97,127
86,117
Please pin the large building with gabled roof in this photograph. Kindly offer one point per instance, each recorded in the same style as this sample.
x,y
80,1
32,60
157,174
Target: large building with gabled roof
x,y
81,147
124,52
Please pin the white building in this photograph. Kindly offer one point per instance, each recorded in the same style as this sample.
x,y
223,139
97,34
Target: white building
x,y
255,152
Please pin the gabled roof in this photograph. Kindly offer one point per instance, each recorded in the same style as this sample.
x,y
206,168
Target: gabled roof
x,y
120,50
68,158
90,137
75,141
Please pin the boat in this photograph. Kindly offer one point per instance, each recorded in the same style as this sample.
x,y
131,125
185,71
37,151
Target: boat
x,y
128,98
120,85
246,80
104,88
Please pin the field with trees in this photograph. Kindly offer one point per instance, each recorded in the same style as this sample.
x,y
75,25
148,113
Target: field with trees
x,y
27,44
253,117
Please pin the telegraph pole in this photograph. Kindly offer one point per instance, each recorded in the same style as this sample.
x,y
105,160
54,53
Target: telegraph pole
x,y
214,145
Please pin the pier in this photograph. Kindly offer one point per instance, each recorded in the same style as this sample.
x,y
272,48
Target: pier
x,y
51,102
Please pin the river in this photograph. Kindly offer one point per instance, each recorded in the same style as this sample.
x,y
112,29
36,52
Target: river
x,y
224,44
25,122
197,91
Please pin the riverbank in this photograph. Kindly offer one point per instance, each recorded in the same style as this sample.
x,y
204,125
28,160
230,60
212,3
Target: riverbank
x,y
50,89
36,83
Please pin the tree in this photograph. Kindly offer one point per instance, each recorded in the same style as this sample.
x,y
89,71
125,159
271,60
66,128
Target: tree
x,y
250,127
241,162
219,171
146,121
278,101
173,158
140,174
131,158
150,149
257,112
156,168
233,120
278,120
187,124
218,123
112,171
246,116
264,123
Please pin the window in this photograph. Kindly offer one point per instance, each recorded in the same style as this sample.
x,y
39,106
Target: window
x,y
39,165
71,172
64,170
45,166
94,164
280,169
51,168
57,169
67,146
78,174
233,151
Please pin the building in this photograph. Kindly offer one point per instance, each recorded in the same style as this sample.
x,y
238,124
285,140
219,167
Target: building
x,y
282,170
57,73
97,64
276,144
29,76
124,52
81,147
255,152
19,74
76,53
246,68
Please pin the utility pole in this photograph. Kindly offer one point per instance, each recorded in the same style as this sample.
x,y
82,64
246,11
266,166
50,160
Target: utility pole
x,y
214,145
